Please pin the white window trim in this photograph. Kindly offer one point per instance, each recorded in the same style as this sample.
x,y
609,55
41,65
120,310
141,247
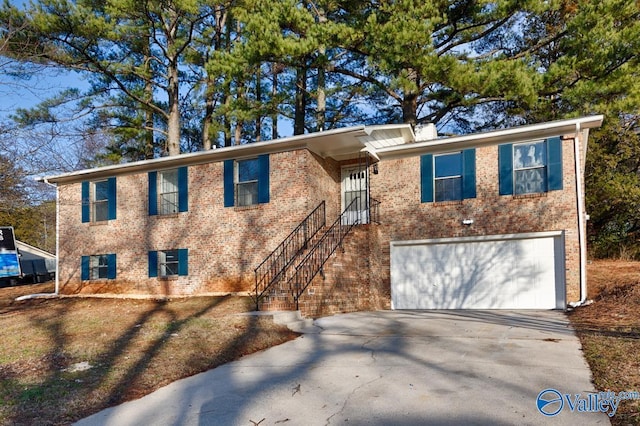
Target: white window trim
x,y
162,264
435,179
521,169
159,184
94,202
95,266
237,184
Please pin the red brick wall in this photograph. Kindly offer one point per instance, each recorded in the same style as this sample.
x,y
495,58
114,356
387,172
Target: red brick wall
x,y
225,244
350,280
405,217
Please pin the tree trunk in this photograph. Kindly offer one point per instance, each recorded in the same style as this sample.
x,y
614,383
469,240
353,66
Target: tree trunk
x,y
301,101
321,112
410,100
237,137
274,93
173,124
410,108
173,87
219,41
148,97
226,120
207,142
258,134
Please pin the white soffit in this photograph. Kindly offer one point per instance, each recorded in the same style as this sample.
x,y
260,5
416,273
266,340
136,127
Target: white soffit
x,y
387,135
345,146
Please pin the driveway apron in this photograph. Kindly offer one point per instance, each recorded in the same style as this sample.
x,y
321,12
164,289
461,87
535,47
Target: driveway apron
x,y
384,368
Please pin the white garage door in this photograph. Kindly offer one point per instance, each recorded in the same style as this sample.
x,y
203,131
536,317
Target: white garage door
x,y
521,271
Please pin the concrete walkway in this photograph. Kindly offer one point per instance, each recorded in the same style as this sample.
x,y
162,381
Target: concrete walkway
x,y
384,368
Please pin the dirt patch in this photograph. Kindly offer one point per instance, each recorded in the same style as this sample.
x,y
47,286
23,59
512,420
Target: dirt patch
x,y
64,359
609,330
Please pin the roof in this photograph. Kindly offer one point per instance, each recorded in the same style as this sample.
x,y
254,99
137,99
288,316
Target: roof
x,y
338,144
381,142
495,137
26,248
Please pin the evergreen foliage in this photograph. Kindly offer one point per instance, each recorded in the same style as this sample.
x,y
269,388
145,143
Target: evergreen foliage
x,y
185,75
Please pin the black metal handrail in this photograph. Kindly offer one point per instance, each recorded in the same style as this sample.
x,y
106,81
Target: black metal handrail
x,y
317,256
273,267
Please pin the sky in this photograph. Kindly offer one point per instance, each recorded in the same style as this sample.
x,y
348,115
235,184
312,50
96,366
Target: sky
x,y
19,93
26,93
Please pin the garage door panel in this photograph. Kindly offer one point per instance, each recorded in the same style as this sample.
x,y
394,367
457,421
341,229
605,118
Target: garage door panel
x,y
498,274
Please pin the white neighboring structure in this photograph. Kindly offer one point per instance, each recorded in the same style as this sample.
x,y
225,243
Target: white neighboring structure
x,y
31,262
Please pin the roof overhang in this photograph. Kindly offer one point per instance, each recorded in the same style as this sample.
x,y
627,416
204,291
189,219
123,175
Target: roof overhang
x,y
496,137
24,247
339,144
380,142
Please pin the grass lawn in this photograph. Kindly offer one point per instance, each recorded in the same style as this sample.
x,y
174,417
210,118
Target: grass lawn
x,y
609,330
64,359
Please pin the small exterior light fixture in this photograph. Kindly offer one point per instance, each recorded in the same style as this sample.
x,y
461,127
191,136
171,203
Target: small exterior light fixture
x,y
467,222
375,169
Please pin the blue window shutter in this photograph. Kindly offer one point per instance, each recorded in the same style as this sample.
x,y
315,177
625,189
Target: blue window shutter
x,y
84,268
554,166
183,189
153,193
263,178
86,209
111,266
469,173
112,198
153,264
183,262
229,196
505,166
426,178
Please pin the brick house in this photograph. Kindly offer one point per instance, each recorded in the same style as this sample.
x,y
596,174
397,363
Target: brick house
x,y
365,217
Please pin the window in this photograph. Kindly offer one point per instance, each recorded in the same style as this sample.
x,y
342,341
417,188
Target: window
x,y
101,266
168,191
168,263
246,181
247,172
531,167
99,200
98,266
448,177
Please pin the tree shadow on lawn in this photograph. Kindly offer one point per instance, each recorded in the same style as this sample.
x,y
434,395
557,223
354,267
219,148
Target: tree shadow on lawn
x,y
119,374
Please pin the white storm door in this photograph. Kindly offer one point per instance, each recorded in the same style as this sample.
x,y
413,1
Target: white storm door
x,y
355,187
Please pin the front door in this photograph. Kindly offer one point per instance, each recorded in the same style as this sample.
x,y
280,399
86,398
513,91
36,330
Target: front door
x,y
355,187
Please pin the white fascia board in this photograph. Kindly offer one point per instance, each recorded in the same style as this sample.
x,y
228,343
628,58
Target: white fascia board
x,y
214,155
496,137
29,248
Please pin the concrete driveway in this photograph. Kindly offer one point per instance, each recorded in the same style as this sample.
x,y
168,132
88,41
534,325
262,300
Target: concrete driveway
x,y
384,368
